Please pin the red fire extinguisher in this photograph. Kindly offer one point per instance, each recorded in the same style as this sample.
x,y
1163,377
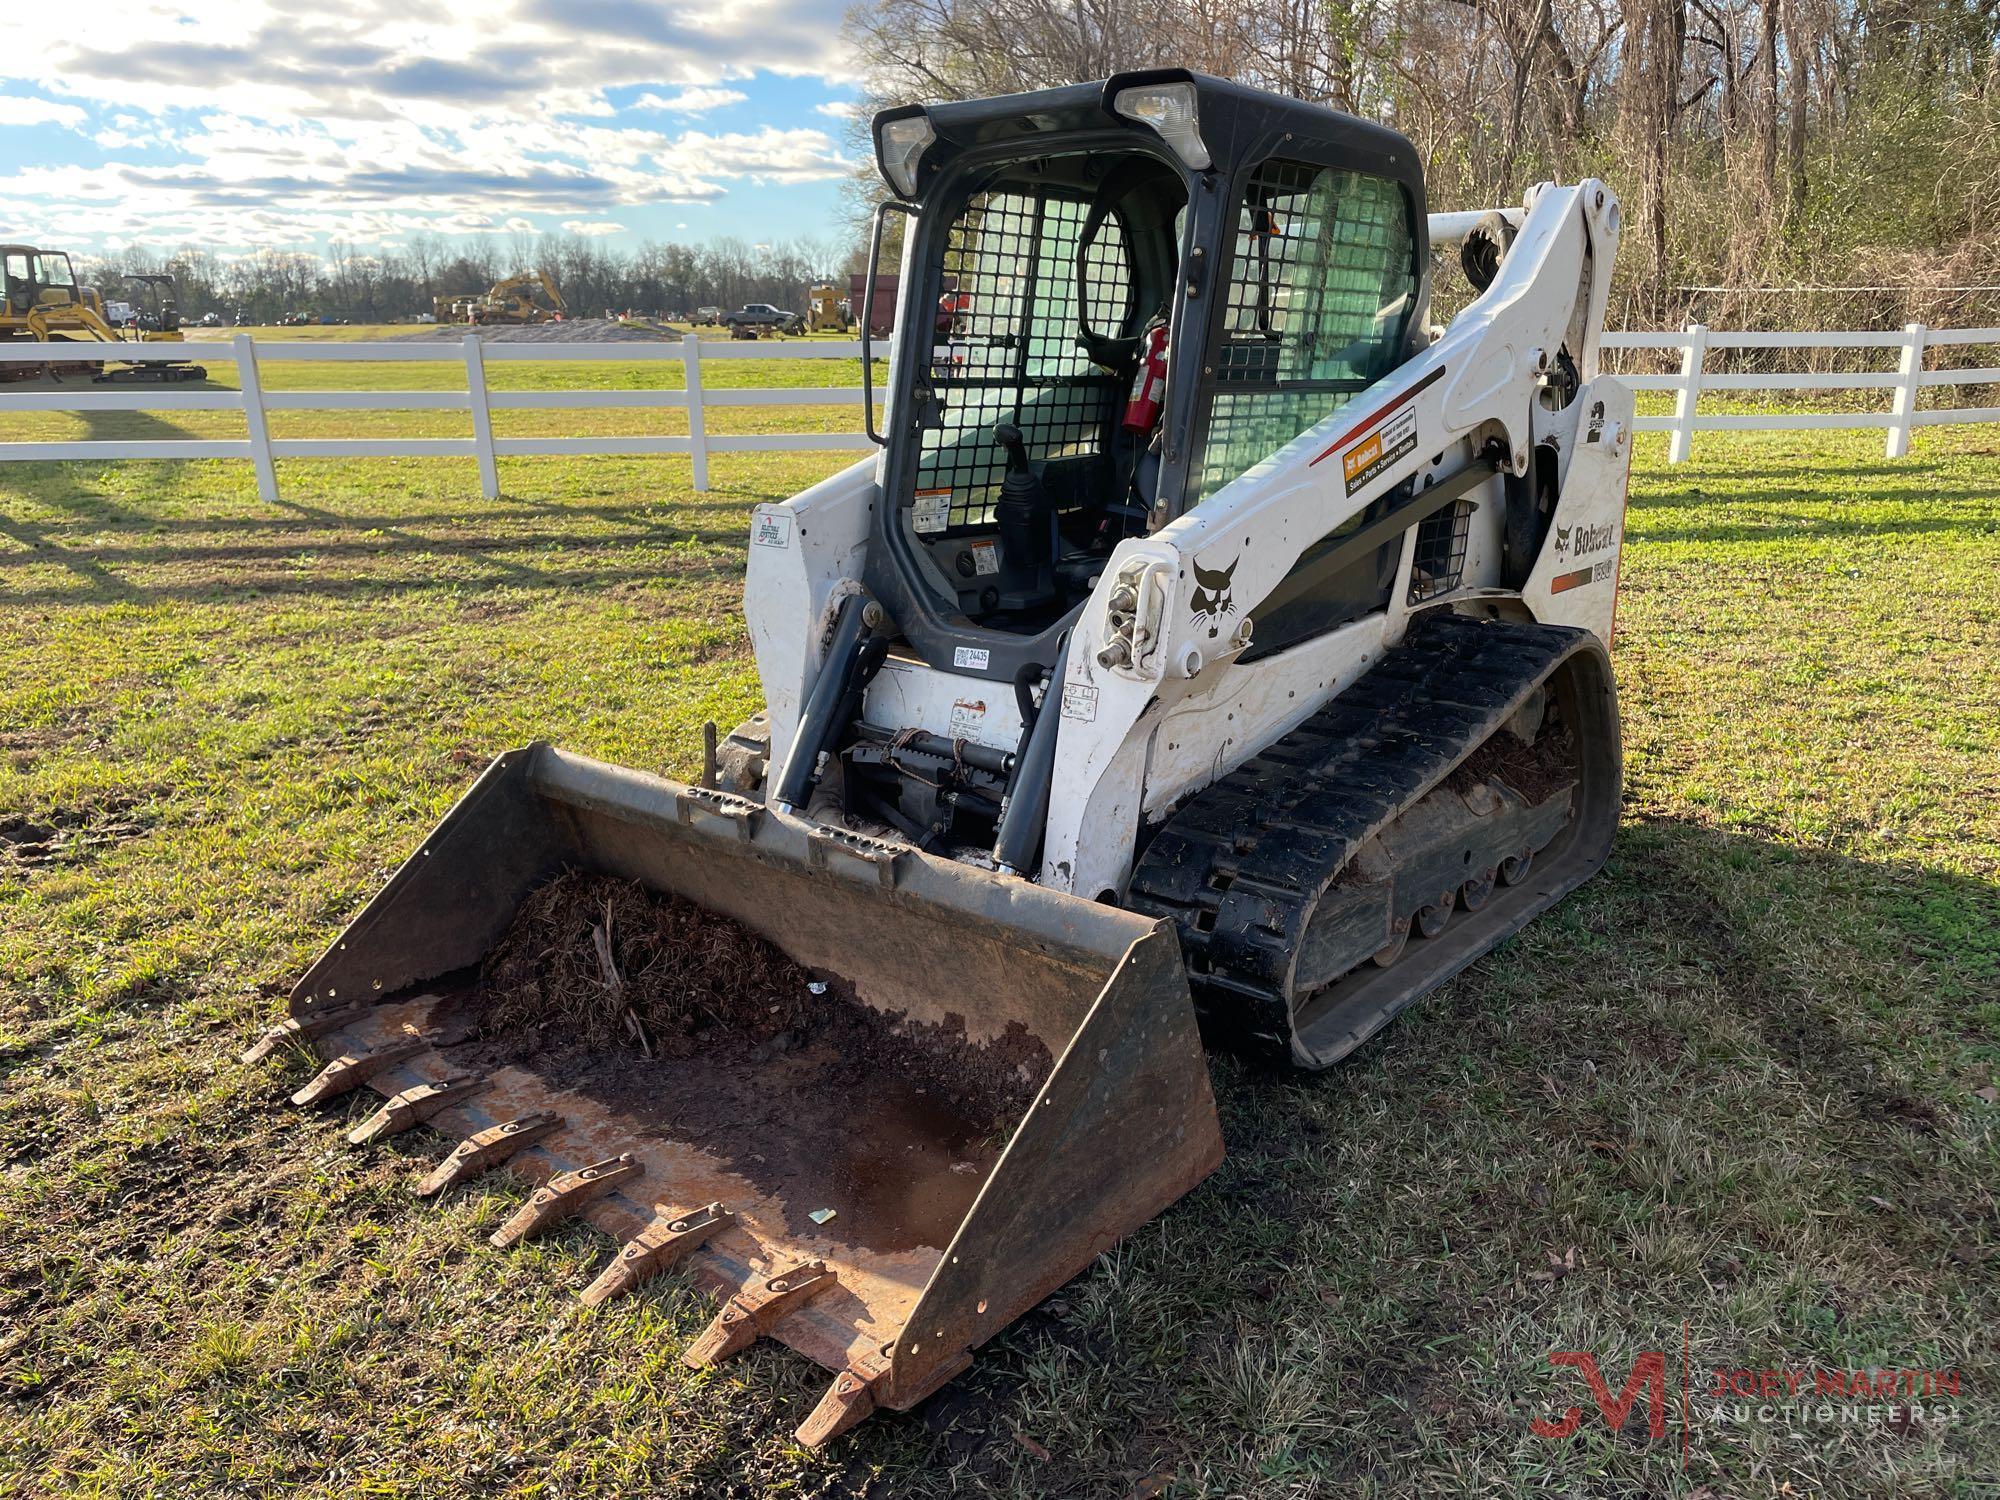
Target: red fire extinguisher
x,y
1149,383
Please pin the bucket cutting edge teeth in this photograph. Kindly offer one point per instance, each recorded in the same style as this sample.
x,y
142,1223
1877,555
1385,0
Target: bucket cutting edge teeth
x,y
350,1070
655,1248
564,1196
754,1311
488,1149
301,1029
414,1106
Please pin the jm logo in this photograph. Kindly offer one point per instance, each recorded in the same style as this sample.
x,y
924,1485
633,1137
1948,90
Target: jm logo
x,y
1649,1375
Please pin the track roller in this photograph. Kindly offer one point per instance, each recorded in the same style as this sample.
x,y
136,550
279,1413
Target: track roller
x,y
1477,891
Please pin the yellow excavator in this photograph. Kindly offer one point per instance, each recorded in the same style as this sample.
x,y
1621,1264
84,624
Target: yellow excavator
x,y
42,301
510,301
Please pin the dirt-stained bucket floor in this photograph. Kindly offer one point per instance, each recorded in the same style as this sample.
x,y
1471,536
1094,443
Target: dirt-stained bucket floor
x,y
686,1026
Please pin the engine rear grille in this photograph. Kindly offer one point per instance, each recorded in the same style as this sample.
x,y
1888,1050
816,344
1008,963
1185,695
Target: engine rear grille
x,y
1439,562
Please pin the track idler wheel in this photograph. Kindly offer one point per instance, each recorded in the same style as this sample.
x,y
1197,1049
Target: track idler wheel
x,y
1477,891
1514,868
1431,919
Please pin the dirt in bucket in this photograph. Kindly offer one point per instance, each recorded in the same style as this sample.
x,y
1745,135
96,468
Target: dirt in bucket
x,y
696,1029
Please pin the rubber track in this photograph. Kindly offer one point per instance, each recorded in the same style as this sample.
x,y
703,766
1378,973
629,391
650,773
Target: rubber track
x,y
1240,867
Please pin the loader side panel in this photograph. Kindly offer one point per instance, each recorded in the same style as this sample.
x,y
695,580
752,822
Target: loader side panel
x,y
450,900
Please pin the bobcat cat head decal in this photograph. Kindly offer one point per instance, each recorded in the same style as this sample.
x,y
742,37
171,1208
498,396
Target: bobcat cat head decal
x,y
1213,594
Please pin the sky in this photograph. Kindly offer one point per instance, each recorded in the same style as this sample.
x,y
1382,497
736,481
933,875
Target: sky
x,y
235,125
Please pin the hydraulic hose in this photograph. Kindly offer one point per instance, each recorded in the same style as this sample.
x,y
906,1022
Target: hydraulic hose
x,y
1017,843
821,718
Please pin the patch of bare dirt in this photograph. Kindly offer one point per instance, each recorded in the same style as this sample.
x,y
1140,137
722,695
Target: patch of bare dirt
x,y
35,841
568,331
683,1025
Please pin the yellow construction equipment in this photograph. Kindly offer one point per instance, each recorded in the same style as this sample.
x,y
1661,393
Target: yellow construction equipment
x,y
41,301
510,301
824,312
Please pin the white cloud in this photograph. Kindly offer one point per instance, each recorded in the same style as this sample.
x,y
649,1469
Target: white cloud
x,y
838,109
268,123
16,110
592,226
691,101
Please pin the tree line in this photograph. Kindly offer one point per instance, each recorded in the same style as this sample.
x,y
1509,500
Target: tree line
x,y
394,285
1774,156
1784,163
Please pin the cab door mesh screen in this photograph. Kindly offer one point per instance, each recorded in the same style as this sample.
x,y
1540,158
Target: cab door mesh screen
x,y
1005,347
1320,289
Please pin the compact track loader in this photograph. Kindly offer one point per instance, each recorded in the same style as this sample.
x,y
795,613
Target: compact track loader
x,y
1213,649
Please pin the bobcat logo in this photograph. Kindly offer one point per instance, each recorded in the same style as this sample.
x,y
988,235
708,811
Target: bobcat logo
x,y
1213,595
1562,537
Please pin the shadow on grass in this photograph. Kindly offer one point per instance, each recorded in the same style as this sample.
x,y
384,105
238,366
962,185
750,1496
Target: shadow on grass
x,y
205,557
1727,1084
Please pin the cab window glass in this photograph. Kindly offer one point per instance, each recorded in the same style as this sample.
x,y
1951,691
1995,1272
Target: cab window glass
x,y
1321,286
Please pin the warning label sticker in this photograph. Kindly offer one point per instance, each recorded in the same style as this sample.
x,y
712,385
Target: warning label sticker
x,y
1379,449
771,529
1079,702
985,558
932,511
968,717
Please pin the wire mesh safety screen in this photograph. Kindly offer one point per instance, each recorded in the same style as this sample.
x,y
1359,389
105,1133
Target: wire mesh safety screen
x,y
1006,347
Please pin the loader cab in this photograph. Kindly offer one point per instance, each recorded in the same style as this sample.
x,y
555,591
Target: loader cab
x,y
31,278
1065,251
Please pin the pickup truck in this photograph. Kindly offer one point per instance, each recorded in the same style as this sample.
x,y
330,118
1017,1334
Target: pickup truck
x,y
754,317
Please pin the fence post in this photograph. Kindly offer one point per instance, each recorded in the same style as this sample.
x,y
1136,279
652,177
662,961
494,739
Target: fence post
x,y
254,422
1694,356
697,425
1909,388
482,416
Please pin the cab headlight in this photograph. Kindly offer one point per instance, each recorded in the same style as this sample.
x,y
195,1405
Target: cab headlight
x,y
900,145
1171,110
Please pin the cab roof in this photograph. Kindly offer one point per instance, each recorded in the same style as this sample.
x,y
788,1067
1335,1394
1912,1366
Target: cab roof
x,y
1238,124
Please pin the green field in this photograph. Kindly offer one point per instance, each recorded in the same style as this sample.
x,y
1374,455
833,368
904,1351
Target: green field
x,y
1738,1091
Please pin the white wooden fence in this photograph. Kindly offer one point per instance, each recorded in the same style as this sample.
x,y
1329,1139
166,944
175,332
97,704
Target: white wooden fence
x,y
256,403
1907,383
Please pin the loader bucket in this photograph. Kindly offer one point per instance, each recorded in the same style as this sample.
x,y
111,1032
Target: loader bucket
x,y
830,1183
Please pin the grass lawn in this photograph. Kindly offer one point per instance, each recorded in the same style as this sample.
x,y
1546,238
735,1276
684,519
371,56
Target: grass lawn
x,y
1733,1099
